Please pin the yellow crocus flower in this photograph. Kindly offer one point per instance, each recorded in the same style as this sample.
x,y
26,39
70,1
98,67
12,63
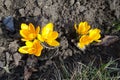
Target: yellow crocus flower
x,y
94,35
34,48
28,32
48,35
82,28
84,41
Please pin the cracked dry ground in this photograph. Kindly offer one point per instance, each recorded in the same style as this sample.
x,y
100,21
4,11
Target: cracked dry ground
x,y
63,13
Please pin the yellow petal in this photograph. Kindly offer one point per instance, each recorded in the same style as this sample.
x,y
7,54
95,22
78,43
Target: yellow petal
x,y
38,48
53,43
31,28
75,26
31,50
40,38
85,39
98,40
87,27
81,46
83,28
24,33
38,53
80,27
53,35
38,30
47,29
29,43
23,49
95,34
31,36
97,37
24,26
23,39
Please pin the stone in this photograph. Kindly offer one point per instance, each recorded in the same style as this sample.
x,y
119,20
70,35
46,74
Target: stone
x,y
1,50
72,2
8,4
22,12
36,11
13,46
1,31
17,57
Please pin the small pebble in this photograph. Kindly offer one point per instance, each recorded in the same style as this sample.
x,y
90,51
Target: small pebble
x,y
22,12
72,2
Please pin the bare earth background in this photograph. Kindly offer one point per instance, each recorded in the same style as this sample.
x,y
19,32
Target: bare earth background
x,y
55,63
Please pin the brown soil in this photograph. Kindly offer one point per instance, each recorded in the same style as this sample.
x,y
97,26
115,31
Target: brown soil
x,y
63,13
